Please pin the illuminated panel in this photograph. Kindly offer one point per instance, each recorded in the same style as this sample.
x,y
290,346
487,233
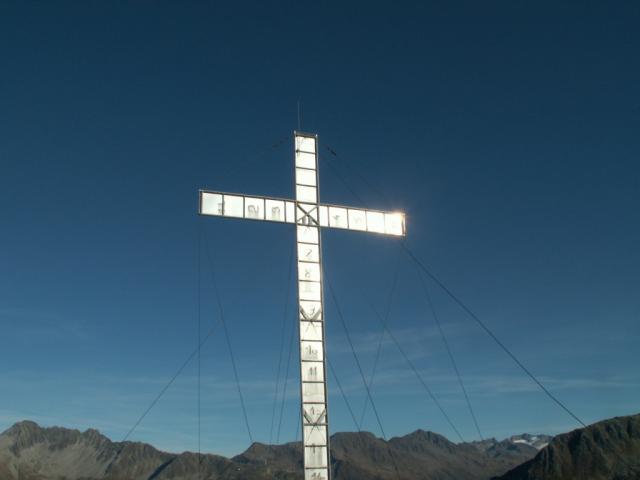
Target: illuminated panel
x,y
357,219
310,310
394,223
324,216
314,414
315,457
274,210
316,474
375,222
306,160
314,393
211,203
307,214
310,291
305,177
305,144
290,209
338,217
307,234
254,208
311,331
315,434
306,194
311,350
233,206
308,253
309,271
312,372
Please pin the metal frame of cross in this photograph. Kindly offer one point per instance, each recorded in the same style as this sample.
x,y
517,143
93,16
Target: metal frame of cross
x,y
309,215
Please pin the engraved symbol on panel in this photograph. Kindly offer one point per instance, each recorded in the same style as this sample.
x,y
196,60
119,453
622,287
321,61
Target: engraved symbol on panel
x,y
312,372
315,474
308,234
309,271
311,350
310,310
309,290
314,414
253,211
276,214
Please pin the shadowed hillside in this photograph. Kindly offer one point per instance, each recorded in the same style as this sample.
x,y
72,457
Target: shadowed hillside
x,y
30,452
607,450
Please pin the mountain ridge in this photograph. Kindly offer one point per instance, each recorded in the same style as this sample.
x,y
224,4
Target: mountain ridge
x,y
31,452
605,450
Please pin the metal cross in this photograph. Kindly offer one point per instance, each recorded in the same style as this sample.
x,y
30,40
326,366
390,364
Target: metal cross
x,y
309,215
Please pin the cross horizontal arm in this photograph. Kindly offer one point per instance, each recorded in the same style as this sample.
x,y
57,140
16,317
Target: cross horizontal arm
x,y
272,209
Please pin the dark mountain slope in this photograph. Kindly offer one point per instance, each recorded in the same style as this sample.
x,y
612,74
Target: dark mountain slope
x,y
30,452
607,450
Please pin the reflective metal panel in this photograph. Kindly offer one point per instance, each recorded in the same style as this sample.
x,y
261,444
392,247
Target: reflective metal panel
x,y
309,271
357,219
338,217
309,290
312,372
211,203
313,392
311,350
306,177
308,252
274,210
306,144
254,208
306,194
315,457
233,206
375,222
315,434
311,331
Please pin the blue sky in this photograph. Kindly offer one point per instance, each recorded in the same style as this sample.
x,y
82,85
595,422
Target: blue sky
x,y
507,131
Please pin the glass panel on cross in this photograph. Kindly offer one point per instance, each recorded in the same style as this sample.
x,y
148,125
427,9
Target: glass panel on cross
x,y
254,208
315,434
233,206
309,271
311,350
211,203
312,372
315,457
274,210
310,331
313,392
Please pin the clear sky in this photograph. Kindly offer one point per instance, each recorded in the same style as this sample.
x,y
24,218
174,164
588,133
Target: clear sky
x,y
508,132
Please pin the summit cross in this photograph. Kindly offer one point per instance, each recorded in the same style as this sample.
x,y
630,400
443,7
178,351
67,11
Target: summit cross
x,y
309,215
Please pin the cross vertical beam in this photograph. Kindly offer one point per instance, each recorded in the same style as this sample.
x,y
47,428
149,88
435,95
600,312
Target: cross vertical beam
x,y
315,441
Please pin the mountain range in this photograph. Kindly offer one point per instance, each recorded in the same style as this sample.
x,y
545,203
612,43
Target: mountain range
x,y
31,452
